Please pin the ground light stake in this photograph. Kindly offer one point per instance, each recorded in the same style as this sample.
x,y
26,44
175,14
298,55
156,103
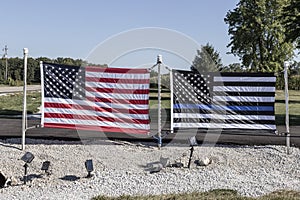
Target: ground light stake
x,y
193,142
27,158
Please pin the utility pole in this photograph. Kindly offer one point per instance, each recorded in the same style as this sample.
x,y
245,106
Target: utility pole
x,y
6,61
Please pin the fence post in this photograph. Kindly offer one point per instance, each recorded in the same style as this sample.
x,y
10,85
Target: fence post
x,y
286,88
159,62
24,118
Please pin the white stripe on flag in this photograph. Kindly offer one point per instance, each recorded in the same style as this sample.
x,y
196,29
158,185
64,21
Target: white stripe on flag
x,y
118,96
218,116
224,125
243,99
244,79
242,89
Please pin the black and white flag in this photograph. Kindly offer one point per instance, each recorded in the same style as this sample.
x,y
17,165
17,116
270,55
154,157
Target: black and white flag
x,y
228,101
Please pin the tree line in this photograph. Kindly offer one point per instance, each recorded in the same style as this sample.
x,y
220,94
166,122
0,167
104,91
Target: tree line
x,y
15,69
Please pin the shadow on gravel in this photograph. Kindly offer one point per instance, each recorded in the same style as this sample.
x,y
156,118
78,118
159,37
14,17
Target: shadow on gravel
x,y
70,178
10,146
30,177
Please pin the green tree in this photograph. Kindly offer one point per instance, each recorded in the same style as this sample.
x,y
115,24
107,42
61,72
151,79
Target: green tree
x,y
2,70
234,67
295,68
33,68
291,18
15,68
258,35
43,59
207,60
153,73
70,61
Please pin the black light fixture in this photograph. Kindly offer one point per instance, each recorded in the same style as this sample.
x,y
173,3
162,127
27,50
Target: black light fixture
x,y
193,142
45,167
89,167
27,158
2,180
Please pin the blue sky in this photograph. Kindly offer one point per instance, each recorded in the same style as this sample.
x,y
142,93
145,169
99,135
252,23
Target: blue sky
x,y
65,28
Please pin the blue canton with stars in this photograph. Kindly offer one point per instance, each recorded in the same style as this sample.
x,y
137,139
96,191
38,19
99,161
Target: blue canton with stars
x,y
64,81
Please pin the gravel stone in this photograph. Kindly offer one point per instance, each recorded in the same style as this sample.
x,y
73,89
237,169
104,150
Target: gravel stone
x,y
122,169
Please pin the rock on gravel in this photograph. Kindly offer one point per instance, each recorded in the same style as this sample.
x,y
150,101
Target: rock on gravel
x,y
122,169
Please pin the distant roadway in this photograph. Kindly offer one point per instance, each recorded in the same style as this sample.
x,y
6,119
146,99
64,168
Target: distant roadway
x,y
6,89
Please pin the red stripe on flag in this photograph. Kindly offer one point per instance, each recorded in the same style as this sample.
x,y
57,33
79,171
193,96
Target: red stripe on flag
x,y
117,80
77,107
116,70
118,101
96,108
97,128
95,118
119,91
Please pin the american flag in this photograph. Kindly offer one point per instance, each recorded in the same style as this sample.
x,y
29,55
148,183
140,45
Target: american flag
x,y
95,98
228,101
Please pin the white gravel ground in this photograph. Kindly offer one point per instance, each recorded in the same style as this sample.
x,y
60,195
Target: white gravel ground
x,y
122,169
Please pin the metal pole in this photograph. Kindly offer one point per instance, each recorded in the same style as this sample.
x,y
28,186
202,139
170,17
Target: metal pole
x,y
171,99
287,124
159,61
25,50
42,92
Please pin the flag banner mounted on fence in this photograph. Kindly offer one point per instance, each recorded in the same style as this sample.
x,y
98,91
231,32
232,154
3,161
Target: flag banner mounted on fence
x,y
95,98
233,102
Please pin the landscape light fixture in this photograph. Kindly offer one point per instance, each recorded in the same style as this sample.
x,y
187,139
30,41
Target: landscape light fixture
x,y
193,142
2,180
27,158
45,167
89,167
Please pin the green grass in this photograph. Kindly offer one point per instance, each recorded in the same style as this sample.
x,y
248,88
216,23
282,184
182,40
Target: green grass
x,y
12,104
211,195
294,107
